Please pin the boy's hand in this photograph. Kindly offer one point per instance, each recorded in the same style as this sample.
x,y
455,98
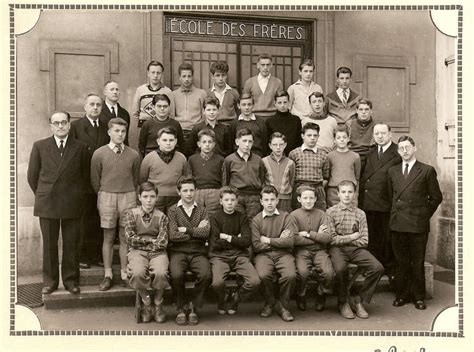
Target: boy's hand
x,y
286,233
264,239
323,228
182,229
203,223
225,237
303,234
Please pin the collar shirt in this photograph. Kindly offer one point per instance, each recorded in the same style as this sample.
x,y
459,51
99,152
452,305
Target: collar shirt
x,y
265,214
58,141
410,165
305,147
92,121
340,93
263,82
189,211
385,147
220,96
110,106
245,156
242,118
113,146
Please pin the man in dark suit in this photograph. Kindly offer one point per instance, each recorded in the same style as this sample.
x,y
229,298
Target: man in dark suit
x,y
373,195
91,130
112,108
415,193
57,173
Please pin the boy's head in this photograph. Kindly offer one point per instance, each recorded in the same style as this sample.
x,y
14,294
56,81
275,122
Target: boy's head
x,y
186,187
306,195
219,71
382,133
186,72
161,102
206,140
406,148
307,70
228,198
246,104
269,198
316,101
147,195
310,134
341,137
210,108
244,140
346,191
117,130
282,100
364,110
154,72
167,139
343,75
264,64
277,143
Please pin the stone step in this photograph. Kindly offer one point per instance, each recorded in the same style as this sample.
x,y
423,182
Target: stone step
x,y
95,275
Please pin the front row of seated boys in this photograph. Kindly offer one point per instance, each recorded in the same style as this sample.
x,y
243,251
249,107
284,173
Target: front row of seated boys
x,y
288,244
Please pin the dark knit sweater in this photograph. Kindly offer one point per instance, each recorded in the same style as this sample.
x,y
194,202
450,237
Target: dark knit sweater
x,y
224,142
247,176
208,173
235,225
287,124
149,134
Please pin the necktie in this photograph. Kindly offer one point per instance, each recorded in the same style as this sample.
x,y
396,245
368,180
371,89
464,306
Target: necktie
x,y
380,152
405,172
113,111
61,147
119,148
345,95
95,124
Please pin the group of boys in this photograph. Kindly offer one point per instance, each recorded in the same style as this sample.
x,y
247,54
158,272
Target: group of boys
x,y
201,210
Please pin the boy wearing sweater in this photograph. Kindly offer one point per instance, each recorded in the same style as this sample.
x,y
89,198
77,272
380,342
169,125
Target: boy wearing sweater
x,y
280,171
206,168
229,250
146,233
263,87
245,171
147,140
188,235
284,122
114,177
312,238
272,241
343,165
163,167
348,227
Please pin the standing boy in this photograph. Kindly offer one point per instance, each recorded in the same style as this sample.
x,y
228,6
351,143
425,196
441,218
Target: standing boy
x,y
229,250
263,87
146,233
206,168
280,171
114,177
414,190
245,171
188,234
348,227
228,97
284,122
300,90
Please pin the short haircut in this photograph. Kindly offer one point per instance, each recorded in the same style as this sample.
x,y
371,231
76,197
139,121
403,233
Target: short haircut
x,y
117,121
316,95
310,126
183,180
93,95
276,135
246,96
343,69
228,190
206,132
303,188
109,81
158,97
147,186
68,115
264,56
306,62
244,131
346,183
385,124
269,189
281,93
155,63
167,130
365,102
185,66
211,101
342,128
219,66
405,138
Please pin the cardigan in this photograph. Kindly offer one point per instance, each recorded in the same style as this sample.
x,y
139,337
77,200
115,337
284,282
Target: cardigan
x,y
263,102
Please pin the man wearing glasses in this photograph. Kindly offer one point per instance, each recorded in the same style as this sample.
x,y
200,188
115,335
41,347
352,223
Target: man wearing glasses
x,y
58,172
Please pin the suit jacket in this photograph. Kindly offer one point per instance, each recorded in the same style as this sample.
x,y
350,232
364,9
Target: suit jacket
x,y
340,110
415,199
373,186
83,130
58,182
106,115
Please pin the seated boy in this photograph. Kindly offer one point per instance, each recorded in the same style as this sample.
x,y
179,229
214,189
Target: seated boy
x,y
223,139
146,233
348,227
245,171
272,241
280,171
188,235
229,250
312,237
206,168
284,122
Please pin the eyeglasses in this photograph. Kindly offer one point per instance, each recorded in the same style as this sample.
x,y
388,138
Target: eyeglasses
x,y
407,148
60,123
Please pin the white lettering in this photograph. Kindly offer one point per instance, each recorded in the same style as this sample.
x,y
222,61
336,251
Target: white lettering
x,y
201,27
209,28
173,23
299,33
256,30
225,28
233,28
265,31
182,26
282,33
242,30
274,31
290,32
192,27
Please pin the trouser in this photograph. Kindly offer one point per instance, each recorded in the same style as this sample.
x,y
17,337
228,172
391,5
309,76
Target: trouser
x,y
305,260
285,205
248,204
163,203
208,198
147,270
380,244
90,243
320,194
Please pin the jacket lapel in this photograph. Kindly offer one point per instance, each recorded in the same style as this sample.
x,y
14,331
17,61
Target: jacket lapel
x,y
69,152
54,152
414,172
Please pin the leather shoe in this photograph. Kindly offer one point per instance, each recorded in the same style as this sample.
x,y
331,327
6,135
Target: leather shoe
x,y
106,284
399,302
84,266
233,303
320,302
420,305
266,311
47,290
160,315
193,318
360,310
74,290
346,311
284,313
301,303
146,313
181,318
